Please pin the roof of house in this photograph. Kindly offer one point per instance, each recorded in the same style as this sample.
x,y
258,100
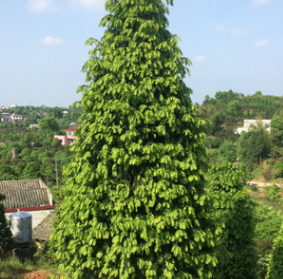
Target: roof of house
x,y
43,230
25,193
73,127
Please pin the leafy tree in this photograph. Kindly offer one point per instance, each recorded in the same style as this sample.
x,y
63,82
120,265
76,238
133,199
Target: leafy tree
x,y
55,143
27,139
235,209
31,171
224,96
33,117
228,151
48,123
25,152
254,146
135,205
233,107
276,123
6,241
48,170
6,172
18,168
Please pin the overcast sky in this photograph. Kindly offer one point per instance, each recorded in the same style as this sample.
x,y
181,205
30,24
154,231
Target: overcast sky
x,y
234,45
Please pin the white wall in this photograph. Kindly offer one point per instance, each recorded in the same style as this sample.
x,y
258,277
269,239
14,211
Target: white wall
x,y
37,216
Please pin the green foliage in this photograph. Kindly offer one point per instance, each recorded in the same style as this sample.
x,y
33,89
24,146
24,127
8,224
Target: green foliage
x,y
277,123
275,268
273,192
276,137
227,177
264,249
35,154
135,205
6,172
279,169
253,147
268,224
48,123
234,209
233,107
213,142
6,241
227,110
228,151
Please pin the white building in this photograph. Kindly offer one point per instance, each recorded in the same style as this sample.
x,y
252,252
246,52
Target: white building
x,y
254,123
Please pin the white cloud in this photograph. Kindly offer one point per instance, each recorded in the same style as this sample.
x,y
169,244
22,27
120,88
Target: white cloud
x,y
261,2
93,5
220,28
199,58
49,40
261,43
40,6
239,31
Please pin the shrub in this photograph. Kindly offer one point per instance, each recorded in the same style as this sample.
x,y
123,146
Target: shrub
x,y
273,193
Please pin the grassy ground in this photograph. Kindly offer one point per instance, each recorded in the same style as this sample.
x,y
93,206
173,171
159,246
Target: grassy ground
x,y
12,268
259,196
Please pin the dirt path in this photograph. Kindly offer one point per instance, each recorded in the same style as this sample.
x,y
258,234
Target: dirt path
x,y
262,184
40,274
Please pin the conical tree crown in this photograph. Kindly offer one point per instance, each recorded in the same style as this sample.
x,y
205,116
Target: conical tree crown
x,y
135,206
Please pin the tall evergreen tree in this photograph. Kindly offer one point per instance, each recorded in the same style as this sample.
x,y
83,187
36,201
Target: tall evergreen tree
x,y
135,205
234,208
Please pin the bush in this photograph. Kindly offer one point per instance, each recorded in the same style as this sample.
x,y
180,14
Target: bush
x,y
273,193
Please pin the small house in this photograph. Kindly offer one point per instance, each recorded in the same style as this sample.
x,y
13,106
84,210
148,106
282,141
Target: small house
x,y
70,137
31,196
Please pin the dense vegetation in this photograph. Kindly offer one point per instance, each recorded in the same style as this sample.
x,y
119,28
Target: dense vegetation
x,y
261,152
234,209
37,154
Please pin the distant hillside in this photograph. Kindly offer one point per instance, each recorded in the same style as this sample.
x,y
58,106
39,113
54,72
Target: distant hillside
x,y
227,110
